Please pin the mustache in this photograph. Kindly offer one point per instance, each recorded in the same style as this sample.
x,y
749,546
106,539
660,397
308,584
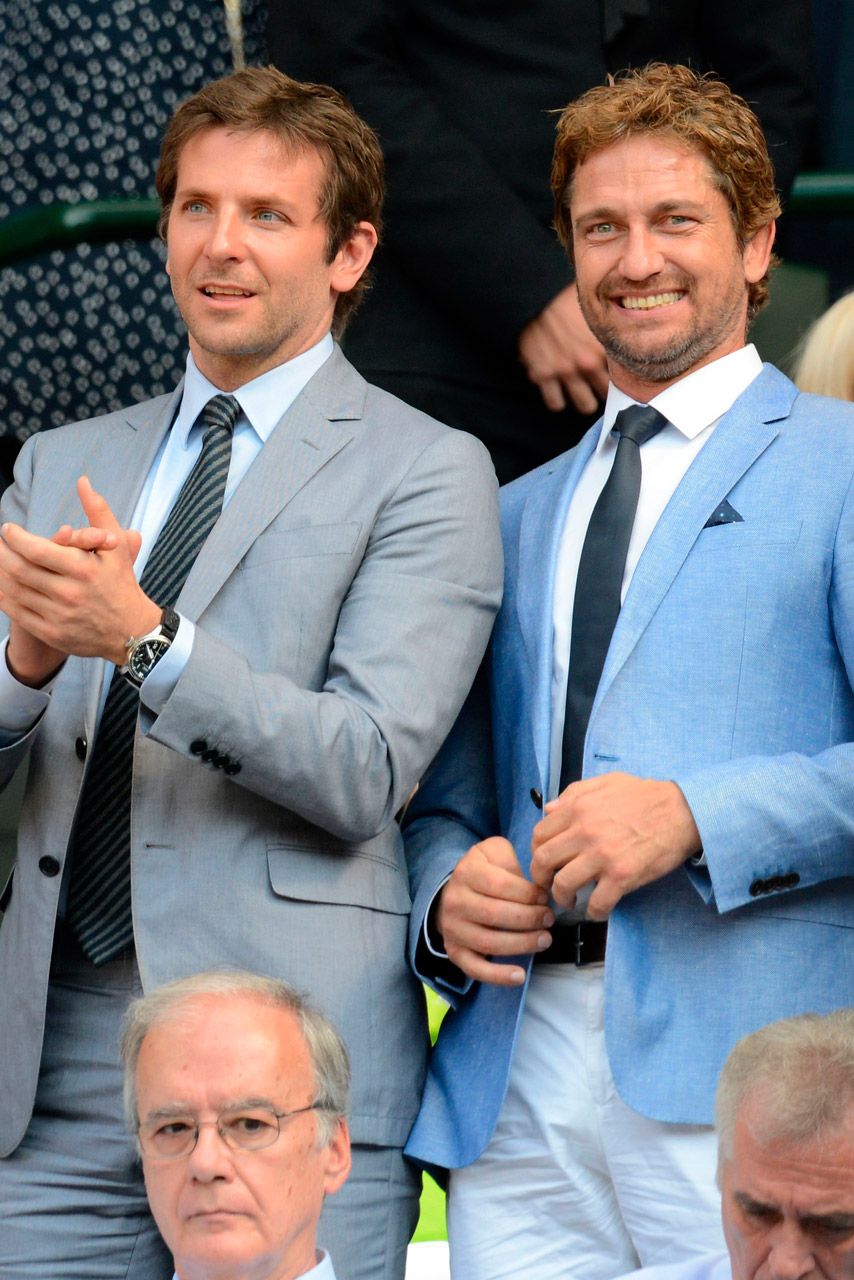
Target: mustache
x,y
653,284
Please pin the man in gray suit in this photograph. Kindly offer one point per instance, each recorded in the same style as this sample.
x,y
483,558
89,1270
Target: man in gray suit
x,y
293,626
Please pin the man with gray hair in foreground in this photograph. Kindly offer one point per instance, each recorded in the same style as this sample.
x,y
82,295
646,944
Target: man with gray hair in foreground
x,y
785,1123
237,1091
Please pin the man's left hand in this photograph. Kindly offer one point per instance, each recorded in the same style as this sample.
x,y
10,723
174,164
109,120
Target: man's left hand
x,y
78,595
617,830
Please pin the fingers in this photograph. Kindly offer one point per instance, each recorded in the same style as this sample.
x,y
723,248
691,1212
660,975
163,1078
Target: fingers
x,y
96,509
133,541
489,909
583,394
482,970
88,539
551,390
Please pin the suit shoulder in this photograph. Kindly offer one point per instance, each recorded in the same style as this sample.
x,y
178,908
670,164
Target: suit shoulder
x,y
404,427
514,495
138,415
810,410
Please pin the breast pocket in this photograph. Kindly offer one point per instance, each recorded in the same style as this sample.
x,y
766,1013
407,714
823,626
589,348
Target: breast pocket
x,y
308,540
321,875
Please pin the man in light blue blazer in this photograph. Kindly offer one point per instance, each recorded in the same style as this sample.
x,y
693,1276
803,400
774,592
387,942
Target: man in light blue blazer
x,y
294,627
638,843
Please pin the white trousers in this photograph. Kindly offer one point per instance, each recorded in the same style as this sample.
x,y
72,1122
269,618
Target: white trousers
x,y
573,1184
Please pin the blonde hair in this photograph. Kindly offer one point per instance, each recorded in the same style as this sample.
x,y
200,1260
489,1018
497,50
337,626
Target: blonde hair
x,y
825,354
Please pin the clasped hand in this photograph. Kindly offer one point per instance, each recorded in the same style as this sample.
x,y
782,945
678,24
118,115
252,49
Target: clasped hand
x,y
617,831
73,593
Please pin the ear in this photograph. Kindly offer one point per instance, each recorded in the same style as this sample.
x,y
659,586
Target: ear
x,y
757,253
337,1155
351,260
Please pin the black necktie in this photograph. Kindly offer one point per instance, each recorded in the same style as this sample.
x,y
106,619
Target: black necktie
x,y
600,579
99,899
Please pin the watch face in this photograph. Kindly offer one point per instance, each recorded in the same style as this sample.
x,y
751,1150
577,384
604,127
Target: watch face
x,y
145,656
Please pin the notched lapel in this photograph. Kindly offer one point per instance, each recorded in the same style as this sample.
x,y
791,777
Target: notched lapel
x,y
311,432
740,438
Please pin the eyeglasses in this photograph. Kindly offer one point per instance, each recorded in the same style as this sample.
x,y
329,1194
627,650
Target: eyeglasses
x,y
243,1129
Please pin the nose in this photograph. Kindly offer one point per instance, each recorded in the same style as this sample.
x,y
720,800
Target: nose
x,y
790,1256
641,256
225,241
210,1158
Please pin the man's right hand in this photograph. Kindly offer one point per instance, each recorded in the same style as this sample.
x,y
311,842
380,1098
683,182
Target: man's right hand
x,y
29,659
562,357
488,908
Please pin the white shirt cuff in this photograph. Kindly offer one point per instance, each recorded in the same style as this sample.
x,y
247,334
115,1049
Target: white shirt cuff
x,y
159,685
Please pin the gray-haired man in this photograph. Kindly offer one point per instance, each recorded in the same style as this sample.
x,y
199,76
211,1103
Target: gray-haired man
x,y
237,1092
785,1121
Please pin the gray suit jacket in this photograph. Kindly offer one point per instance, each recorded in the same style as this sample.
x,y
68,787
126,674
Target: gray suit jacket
x,y
343,602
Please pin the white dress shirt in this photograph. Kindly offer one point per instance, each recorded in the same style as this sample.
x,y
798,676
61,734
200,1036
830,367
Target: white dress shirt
x,y
323,1271
262,401
693,406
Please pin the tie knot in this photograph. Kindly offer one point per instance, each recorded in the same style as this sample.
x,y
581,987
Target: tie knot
x,y
639,423
220,411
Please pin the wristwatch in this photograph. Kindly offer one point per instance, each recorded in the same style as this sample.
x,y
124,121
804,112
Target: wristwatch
x,y
144,652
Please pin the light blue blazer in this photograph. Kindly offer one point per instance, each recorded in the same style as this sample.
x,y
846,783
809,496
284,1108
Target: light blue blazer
x,y
729,671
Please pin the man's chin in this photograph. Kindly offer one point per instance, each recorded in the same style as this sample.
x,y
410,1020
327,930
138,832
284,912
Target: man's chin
x,y
661,365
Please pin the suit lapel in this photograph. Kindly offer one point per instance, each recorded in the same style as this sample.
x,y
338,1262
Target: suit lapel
x,y
540,533
311,432
134,438
739,439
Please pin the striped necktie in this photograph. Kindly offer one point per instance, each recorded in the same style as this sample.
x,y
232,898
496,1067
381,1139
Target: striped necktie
x,y
99,899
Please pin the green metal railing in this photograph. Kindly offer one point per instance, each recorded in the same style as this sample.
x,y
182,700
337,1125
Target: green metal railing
x,y
56,226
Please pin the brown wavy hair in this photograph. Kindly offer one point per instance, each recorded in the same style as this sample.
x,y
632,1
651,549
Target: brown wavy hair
x,y
303,117
699,111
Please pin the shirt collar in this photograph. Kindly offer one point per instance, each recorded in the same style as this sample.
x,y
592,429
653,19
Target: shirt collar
x,y
323,1270
263,400
697,400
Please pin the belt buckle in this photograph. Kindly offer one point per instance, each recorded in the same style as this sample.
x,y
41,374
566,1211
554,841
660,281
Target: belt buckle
x,y
579,947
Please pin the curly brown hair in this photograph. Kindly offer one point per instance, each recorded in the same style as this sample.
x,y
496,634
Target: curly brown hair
x,y
699,111
303,117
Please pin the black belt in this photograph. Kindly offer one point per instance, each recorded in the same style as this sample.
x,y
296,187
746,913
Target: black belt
x,y
578,944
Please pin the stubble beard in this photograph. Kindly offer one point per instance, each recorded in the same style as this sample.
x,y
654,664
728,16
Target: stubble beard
x,y
681,355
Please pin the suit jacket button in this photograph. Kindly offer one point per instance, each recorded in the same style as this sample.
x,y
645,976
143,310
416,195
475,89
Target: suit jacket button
x,y
537,797
757,888
198,746
80,748
233,767
48,866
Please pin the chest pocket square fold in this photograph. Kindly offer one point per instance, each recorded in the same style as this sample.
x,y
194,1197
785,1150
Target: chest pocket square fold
x,y
723,514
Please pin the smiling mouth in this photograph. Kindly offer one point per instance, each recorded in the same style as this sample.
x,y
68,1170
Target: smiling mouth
x,y
650,301
225,291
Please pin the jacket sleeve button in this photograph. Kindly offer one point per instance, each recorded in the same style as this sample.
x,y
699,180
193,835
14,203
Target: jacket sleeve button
x,y
758,887
198,746
233,768
48,866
